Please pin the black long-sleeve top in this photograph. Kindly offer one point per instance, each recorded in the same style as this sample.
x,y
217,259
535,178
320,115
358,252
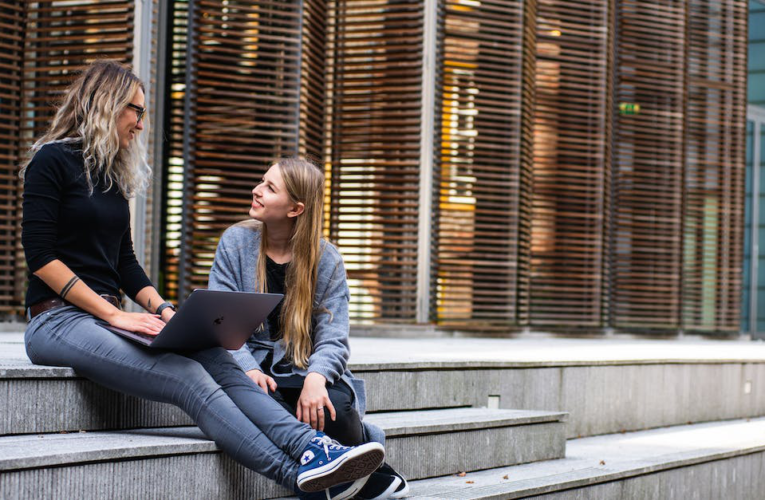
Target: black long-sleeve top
x,y
89,233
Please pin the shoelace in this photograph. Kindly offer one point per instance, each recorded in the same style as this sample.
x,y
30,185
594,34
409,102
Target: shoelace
x,y
329,443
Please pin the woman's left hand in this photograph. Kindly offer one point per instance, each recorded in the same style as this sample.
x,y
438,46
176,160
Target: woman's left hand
x,y
313,399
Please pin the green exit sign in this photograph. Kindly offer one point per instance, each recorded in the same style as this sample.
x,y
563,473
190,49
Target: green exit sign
x,y
629,108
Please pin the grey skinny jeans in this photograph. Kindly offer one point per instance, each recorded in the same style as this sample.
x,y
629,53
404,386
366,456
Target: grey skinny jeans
x,y
247,424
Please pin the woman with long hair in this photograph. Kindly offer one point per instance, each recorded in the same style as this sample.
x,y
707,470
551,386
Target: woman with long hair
x,y
300,354
77,240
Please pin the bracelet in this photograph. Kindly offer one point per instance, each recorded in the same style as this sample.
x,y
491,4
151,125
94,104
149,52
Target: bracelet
x,y
164,306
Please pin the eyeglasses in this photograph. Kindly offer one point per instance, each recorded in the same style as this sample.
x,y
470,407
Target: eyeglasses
x,y
139,111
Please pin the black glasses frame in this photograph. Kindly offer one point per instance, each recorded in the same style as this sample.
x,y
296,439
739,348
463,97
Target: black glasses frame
x,y
139,111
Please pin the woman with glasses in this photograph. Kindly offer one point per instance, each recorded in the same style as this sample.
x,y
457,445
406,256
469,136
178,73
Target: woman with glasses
x,y
300,354
77,241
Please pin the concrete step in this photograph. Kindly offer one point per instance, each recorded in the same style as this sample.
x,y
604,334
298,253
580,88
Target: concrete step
x,y
607,386
420,444
702,461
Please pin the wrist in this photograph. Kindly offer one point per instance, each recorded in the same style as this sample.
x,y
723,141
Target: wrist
x,y
163,306
111,314
167,314
316,378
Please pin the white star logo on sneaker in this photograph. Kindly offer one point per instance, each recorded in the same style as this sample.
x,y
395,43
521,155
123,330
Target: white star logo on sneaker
x,y
307,457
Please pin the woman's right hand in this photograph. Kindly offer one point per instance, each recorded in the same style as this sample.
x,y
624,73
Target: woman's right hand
x,y
146,323
264,381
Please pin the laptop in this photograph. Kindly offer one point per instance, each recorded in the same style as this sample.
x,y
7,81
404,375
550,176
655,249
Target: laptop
x,y
209,318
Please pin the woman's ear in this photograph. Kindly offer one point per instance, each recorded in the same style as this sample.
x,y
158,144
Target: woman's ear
x,y
298,209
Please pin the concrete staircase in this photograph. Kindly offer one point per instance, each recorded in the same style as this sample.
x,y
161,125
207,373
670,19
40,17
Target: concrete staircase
x,y
465,418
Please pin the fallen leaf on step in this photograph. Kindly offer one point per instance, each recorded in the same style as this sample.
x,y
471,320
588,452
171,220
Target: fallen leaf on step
x,y
469,482
506,476
602,462
462,474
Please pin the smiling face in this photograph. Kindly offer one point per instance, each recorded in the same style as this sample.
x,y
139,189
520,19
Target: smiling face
x,y
271,203
128,125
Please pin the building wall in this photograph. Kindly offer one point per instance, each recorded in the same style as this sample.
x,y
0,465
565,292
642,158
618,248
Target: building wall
x,y
491,166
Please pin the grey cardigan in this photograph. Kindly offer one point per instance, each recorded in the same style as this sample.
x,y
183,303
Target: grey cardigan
x,y
234,269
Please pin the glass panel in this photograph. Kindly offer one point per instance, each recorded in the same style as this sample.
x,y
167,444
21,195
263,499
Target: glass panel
x,y
760,142
747,265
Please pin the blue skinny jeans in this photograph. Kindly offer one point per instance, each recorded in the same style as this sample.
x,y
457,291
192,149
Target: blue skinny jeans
x,y
245,422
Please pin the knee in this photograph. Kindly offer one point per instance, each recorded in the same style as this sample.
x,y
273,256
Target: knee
x,y
345,412
215,360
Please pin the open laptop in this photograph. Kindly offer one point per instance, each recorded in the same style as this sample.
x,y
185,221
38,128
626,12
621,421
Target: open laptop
x,y
209,318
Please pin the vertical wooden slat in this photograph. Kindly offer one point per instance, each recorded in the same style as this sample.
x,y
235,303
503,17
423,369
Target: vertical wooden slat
x,y
313,85
570,164
173,170
375,83
245,105
648,170
715,144
62,38
481,169
11,55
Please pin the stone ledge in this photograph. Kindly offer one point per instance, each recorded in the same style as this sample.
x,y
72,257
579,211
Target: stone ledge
x,y
457,419
45,450
607,459
385,354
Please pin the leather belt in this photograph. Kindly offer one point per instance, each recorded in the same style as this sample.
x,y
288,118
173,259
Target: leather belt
x,y
56,302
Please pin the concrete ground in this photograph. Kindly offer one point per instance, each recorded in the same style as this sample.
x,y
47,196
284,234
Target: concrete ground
x,y
534,349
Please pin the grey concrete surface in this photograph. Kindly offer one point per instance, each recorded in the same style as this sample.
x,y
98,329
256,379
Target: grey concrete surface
x,y
607,385
458,419
414,438
703,461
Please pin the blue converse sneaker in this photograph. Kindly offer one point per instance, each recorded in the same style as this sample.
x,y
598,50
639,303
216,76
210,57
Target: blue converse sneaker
x,y
339,492
326,463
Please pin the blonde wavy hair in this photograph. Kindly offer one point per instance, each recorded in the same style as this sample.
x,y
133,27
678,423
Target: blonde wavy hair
x,y
305,184
88,115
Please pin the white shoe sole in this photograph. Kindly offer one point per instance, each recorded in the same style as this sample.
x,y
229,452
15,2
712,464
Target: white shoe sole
x,y
388,492
352,490
402,493
355,464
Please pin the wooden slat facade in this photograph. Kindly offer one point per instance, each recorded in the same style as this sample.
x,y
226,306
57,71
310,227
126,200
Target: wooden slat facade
x,y
245,102
481,180
11,60
713,205
570,195
173,170
43,45
648,155
375,81
556,203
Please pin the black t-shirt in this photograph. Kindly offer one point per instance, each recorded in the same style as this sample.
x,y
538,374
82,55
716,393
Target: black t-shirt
x,y
276,274
88,233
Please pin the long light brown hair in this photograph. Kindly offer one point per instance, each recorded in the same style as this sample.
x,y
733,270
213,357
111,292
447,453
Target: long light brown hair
x,y
88,115
305,184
